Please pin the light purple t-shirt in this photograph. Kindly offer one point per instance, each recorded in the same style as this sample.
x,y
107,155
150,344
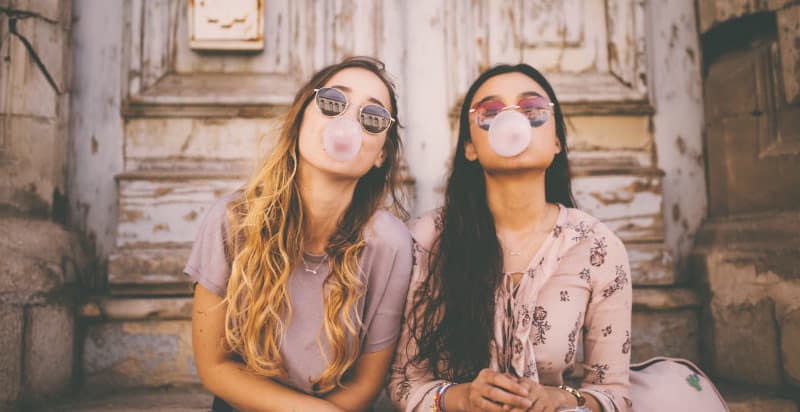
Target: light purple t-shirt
x,y
386,269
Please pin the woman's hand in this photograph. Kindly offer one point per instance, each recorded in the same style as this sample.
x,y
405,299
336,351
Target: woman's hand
x,y
494,392
544,398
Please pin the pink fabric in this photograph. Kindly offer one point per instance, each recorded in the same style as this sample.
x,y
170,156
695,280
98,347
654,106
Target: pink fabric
x,y
577,286
672,384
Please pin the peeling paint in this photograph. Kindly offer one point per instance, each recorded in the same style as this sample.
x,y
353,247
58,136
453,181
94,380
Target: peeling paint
x,y
681,145
162,191
131,215
94,112
678,122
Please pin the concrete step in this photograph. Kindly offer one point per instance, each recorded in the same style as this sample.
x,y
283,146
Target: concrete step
x,y
665,323
192,398
195,399
749,399
146,341
169,399
749,267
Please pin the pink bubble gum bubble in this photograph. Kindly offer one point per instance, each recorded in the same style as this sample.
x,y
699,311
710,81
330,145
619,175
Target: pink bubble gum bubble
x,y
510,133
341,139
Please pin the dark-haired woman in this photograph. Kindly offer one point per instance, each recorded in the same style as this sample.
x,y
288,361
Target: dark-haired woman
x,y
508,276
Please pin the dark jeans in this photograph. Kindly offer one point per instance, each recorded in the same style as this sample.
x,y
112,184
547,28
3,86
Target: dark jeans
x,y
220,405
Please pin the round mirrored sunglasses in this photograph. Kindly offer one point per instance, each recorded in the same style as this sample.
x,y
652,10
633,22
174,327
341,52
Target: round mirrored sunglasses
x,y
332,102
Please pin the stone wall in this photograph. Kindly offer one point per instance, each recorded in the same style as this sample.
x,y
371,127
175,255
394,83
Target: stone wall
x,y
41,260
751,272
713,13
747,256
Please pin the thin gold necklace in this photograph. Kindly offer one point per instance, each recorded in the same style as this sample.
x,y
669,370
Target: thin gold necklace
x,y
316,269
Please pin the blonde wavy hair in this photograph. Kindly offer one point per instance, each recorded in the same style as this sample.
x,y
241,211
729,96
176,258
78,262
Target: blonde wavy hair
x,y
267,227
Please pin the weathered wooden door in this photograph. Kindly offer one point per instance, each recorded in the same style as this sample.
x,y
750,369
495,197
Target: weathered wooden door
x,y
200,112
196,119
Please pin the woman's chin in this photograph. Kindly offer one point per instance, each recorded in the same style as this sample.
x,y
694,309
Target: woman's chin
x,y
344,169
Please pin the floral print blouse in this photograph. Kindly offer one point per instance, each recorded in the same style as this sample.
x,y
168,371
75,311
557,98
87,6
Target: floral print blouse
x,y
577,286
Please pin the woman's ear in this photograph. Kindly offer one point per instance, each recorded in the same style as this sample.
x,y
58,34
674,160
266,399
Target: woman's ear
x,y
558,146
380,159
470,152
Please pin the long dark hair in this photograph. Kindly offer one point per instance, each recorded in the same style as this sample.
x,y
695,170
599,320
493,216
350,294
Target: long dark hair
x,y
453,314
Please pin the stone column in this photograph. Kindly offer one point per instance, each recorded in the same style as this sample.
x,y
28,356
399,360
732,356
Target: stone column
x,y
748,251
40,260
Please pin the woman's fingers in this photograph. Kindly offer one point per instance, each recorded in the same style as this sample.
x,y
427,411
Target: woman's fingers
x,y
496,394
502,389
476,400
539,406
487,405
540,397
508,383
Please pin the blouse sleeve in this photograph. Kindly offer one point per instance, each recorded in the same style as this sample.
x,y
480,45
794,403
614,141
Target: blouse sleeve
x,y
209,262
607,340
411,386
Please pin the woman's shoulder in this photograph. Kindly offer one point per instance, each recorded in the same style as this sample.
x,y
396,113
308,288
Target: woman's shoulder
x,y
426,228
217,213
387,230
585,230
590,239
583,224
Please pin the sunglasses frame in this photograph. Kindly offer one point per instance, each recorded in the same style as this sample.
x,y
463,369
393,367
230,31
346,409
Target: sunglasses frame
x,y
550,108
347,106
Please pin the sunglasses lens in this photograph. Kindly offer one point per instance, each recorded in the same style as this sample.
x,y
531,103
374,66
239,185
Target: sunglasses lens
x,y
375,119
331,102
536,108
487,111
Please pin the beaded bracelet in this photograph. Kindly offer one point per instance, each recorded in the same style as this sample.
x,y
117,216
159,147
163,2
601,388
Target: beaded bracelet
x,y
441,397
438,397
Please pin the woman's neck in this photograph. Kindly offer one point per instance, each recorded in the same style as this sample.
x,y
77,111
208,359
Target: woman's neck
x,y
517,201
325,200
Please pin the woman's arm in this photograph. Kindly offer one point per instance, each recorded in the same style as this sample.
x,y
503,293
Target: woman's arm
x,y
359,392
607,343
230,379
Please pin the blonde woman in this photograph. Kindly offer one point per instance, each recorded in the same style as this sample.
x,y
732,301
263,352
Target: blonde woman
x,y
301,275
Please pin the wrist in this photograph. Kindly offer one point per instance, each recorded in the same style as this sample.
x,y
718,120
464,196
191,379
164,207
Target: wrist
x,y
455,400
571,395
564,398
